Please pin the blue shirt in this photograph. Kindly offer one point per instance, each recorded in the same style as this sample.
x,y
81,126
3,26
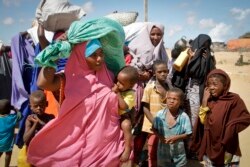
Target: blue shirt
x,y
7,127
172,154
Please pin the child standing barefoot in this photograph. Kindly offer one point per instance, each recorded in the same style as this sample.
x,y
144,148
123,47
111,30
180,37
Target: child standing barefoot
x,y
126,79
172,125
8,122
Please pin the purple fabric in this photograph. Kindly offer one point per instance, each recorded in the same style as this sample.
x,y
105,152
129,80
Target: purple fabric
x,y
22,56
22,68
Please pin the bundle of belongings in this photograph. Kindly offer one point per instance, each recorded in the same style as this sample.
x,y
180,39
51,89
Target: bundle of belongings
x,y
124,18
57,15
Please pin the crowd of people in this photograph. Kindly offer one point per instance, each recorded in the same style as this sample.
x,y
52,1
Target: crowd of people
x,y
122,103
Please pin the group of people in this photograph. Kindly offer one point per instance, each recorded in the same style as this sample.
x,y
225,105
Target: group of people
x,y
118,98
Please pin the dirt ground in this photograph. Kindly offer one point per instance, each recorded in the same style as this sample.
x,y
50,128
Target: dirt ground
x,y
240,83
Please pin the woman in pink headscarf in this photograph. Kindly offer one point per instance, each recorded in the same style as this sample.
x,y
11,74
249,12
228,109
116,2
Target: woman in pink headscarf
x,y
87,130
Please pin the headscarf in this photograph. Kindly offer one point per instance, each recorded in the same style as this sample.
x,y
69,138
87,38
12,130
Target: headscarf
x,y
227,117
92,46
109,32
199,41
199,66
141,48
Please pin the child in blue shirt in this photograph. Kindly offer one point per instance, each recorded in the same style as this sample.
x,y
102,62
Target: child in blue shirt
x,y
8,122
172,125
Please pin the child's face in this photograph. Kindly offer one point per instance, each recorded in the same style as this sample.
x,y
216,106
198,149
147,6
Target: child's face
x,y
38,105
216,87
161,72
123,82
156,36
173,101
95,61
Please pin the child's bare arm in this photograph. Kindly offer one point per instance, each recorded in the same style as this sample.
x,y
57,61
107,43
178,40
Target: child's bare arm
x,y
121,102
30,127
206,96
147,112
204,109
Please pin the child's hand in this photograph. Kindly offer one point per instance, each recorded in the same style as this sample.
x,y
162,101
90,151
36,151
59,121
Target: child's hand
x,y
171,139
115,88
206,94
33,118
39,120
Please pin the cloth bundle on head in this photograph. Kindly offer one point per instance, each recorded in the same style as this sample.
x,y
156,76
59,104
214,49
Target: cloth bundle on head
x,y
109,32
124,18
57,15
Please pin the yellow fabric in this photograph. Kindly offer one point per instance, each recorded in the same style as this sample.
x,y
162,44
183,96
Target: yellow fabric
x,y
129,98
156,103
202,113
227,158
22,158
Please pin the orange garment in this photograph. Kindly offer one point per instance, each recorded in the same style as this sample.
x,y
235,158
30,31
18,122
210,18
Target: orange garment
x,y
53,105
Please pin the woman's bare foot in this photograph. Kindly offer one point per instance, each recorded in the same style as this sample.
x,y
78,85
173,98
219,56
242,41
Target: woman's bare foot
x,y
125,155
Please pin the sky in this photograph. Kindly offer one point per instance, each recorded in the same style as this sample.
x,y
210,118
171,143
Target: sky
x,y
221,19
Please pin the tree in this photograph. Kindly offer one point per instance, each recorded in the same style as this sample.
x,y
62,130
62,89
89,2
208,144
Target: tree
x,y
246,35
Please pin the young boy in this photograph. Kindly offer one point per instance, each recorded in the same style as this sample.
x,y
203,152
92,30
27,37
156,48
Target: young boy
x,y
38,118
8,122
153,100
172,125
222,116
126,79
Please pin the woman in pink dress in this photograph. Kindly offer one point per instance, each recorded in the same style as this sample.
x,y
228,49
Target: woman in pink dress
x,y
87,130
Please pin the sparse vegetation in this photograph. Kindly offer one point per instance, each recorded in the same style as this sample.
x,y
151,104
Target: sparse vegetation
x,y
246,35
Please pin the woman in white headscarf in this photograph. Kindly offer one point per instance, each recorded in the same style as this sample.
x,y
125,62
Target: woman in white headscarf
x,y
145,43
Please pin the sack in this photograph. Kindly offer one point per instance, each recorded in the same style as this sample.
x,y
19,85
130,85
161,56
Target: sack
x,y
22,158
124,18
57,14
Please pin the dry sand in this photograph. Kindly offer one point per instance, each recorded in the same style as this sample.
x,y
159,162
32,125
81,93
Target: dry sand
x,y
240,76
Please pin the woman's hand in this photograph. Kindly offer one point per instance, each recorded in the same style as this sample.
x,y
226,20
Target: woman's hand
x,y
41,36
62,37
144,75
204,53
190,53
